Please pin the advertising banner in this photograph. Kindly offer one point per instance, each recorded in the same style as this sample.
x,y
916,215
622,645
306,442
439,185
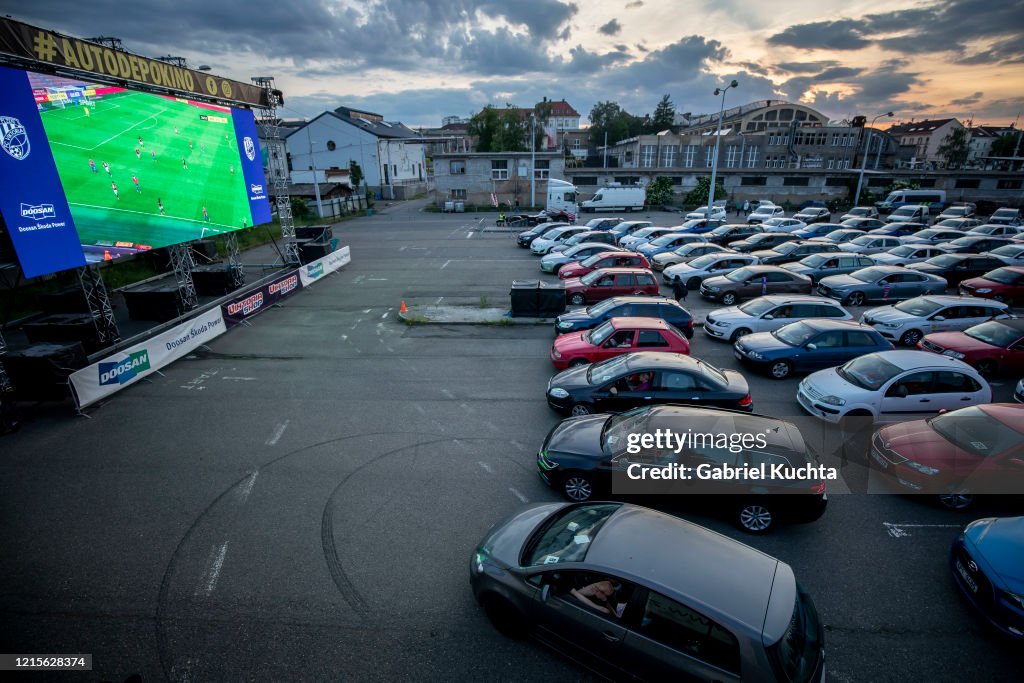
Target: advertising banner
x,y
313,271
252,166
129,365
259,299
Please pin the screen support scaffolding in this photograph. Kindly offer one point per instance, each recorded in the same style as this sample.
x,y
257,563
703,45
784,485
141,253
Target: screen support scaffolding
x,y
277,165
99,305
234,262
5,381
182,264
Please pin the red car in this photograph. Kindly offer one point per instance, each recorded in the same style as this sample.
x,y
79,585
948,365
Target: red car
x,y
604,259
1002,284
992,347
605,283
615,337
955,455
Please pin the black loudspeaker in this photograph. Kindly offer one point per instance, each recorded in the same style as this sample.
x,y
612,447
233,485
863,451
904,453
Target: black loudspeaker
x,y
40,372
316,233
205,250
157,300
310,250
213,280
67,300
64,327
525,299
551,298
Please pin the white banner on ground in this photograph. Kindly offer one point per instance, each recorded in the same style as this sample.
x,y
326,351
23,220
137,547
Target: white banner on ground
x,y
129,365
314,270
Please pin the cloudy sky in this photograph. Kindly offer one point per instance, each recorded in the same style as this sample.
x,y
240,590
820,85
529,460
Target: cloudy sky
x,y
420,60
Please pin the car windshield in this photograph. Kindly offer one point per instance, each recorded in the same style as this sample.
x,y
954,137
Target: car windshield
x,y
663,240
918,306
597,335
949,223
703,261
858,211
994,333
786,247
713,374
601,308
797,652
863,240
1003,276
869,274
985,229
643,232
591,260
975,431
868,372
688,248
902,251
843,235
794,334
566,535
551,234
694,223
1011,250
722,230
741,275
944,260
1005,213
599,373
618,427
757,307
572,251
963,241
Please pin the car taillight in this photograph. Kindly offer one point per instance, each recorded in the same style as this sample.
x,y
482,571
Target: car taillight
x,y
819,488
690,325
745,401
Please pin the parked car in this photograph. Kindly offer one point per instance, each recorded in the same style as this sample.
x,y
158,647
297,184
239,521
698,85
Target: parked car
x,y
974,244
859,212
984,562
608,282
643,236
892,386
1005,216
932,236
921,213
817,230
606,223
669,310
667,575
995,230
581,455
623,228
769,313
794,251
898,229
705,266
908,321
525,238
700,226
615,337
958,223
764,240
646,378
956,455
753,281
543,244
1010,254
553,261
603,259
995,347
764,212
668,242
727,234
957,267
1002,284
717,212
862,223
880,283
905,254
821,265
840,235
685,254
603,236
807,345
813,214
956,211
782,224
870,244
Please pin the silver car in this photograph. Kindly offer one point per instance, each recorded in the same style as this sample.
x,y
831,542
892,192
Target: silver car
x,y
996,230
859,212
817,266
709,265
870,244
552,261
880,283
641,594
543,244
906,254
957,223
768,313
780,224
686,253
932,236
908,321
840,236
1010,254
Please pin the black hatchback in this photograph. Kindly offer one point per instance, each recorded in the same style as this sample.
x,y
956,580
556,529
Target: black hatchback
x,y
668,310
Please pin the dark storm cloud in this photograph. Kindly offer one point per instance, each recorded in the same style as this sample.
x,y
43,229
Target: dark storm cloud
x,y
680,62
1009,51
753,67
612,28
794,88
972,99
844,34
804,67
582,61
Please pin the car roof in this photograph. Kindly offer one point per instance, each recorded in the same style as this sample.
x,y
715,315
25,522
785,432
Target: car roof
x,y
613,271
704,568
627,299
583,245
661,360
952,299
765,268
639,321
1009,414
797,299
912,359
825,324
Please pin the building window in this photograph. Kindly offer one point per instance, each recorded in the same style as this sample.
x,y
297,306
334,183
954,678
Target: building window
x,y
930,182
836,139
677,180
831,163
668,155
627,180
796,181
499,169
836,181
754,180
457,194
688,153
752,157
542,168
709,153
967,183
1008,184
331,146
585,180
576,143
457,167
845,163
648,155
879,182
732,156
777,161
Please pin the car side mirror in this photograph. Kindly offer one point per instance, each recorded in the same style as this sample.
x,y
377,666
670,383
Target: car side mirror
x,y
545,592
939,318
613,391
769,317
811,347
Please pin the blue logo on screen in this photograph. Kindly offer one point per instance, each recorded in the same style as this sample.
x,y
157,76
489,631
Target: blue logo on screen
x,y
250,148
14,138
38,213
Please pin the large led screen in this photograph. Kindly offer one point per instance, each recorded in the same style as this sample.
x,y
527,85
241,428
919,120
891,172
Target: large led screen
x,y
93,172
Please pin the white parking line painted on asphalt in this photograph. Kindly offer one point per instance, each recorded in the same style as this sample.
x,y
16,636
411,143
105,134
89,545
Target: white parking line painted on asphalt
x,y
217,554
900,530
469,235
487,468
358,279
376,279
278,432
420,409
447,393
521,497
445,265
366,310
247,485
240,379
438,300
385,314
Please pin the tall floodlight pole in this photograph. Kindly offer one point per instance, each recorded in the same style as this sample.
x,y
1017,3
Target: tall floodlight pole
x,y
316,182
718,139
864,159
533,160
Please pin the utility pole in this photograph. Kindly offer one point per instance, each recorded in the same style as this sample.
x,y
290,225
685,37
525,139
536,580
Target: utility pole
x,y
316,181
718,139
864,158
533,160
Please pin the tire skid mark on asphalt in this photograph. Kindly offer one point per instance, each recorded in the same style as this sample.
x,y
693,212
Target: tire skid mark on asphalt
x,y
899,530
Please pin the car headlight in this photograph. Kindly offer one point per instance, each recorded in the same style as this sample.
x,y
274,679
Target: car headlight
x,y
891,326
558,392
984,290
833,400
712,288
556,353
923,469
564,326
953,354
755,355
1014,599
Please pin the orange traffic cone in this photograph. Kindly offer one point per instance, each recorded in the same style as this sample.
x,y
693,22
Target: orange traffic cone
x,y
107,256
403,309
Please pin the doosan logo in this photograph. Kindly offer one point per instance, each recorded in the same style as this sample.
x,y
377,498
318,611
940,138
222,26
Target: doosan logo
x,y
255,189
123,371
38,213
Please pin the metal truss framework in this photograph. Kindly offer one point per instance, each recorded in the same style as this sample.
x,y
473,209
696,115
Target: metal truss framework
x,y
5,381
235,266
99,304
277,166
182,264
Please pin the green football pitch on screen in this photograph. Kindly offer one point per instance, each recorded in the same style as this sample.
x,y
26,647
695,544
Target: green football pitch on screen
x,y
183,164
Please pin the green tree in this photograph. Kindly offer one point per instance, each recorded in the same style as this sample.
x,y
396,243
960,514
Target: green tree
x,y
500,130
699,194
664,115
954,148
659,192
355,173
901,185
610,118
300,209
1005,145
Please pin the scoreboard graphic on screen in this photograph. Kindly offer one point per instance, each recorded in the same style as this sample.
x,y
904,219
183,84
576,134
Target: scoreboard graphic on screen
x,y
93,172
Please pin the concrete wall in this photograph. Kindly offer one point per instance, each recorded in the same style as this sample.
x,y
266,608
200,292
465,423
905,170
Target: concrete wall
x,y
478,181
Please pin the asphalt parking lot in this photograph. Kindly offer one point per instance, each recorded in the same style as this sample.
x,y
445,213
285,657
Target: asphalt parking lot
x,y
301,501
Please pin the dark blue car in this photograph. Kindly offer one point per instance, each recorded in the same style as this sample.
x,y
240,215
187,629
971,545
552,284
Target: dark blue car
x,y
808,345
986,563
588,318
817,230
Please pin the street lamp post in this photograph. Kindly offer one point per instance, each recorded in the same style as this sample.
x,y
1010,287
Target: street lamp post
x,y
864,159
316,182
718,139
533,161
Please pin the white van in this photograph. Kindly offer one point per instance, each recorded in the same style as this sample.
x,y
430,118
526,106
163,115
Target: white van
x,y
935,199
616,198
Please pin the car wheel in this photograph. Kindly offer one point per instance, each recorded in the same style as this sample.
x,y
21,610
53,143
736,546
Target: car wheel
x,y
577,362
985,368
911,337
957,501
506,619
729,298
742,332
693,283
577,300
754,517
855,299
781,369
577,487
580,409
